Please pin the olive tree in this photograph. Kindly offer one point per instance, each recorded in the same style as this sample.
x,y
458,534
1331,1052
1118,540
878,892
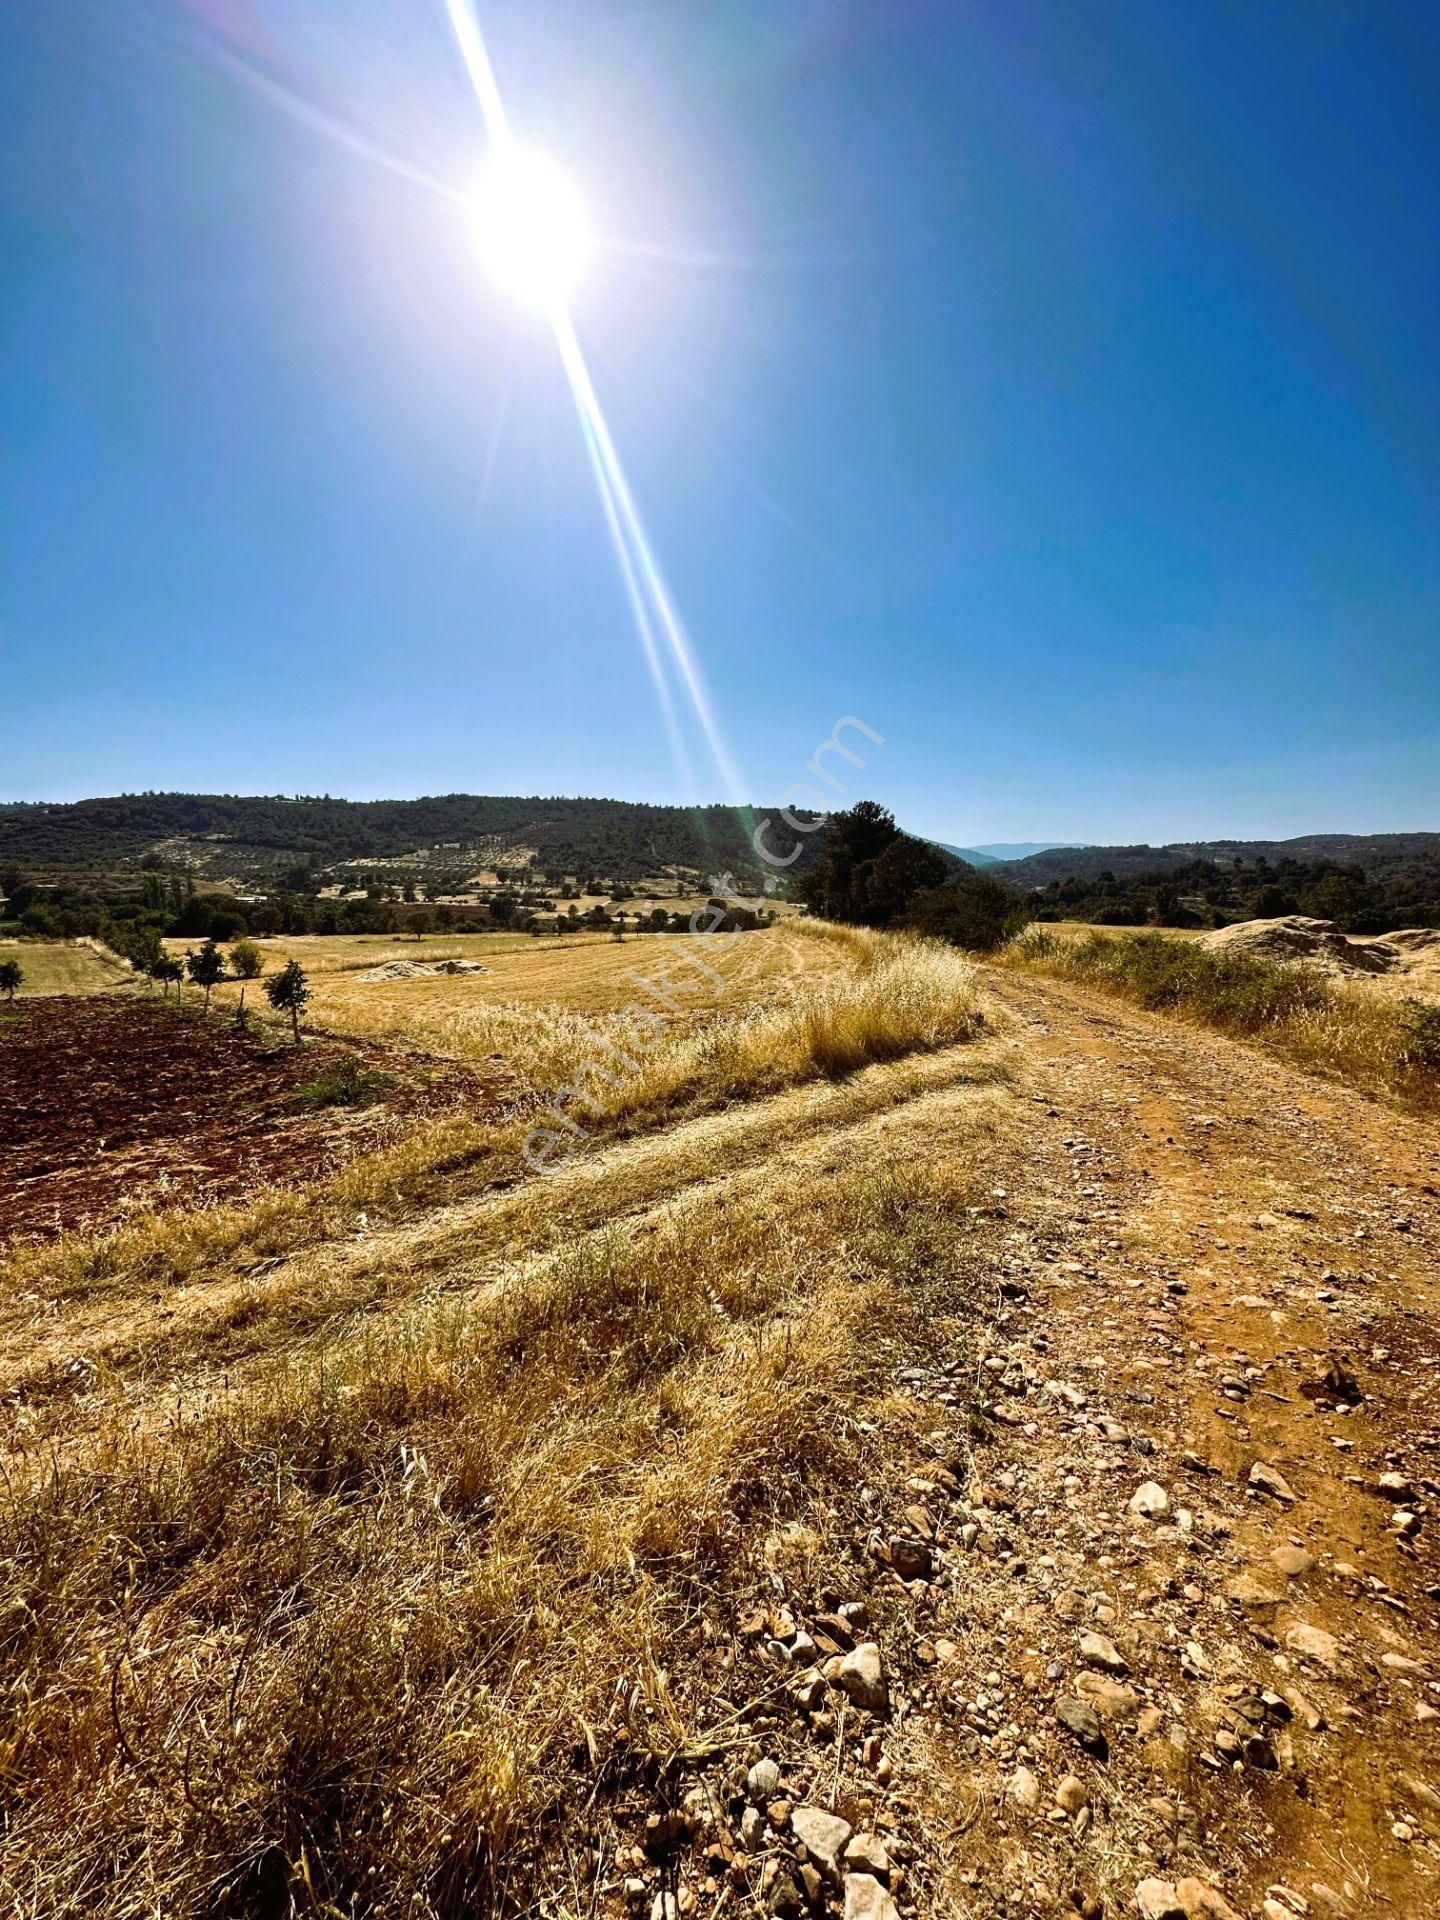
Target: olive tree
x,y
288,992
12,975
206,968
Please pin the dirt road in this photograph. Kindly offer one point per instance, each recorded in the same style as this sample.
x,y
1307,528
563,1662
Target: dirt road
x,y
1246,1315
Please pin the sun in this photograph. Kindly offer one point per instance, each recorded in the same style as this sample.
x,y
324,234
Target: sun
x,y
530,227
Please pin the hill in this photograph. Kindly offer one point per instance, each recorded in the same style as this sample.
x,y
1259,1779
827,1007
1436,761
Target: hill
x,y
1382,855
254,838
972,856
1366,884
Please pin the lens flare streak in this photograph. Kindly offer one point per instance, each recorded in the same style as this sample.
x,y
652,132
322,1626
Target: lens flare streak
x,y
482,75
645,564
652,607
639,611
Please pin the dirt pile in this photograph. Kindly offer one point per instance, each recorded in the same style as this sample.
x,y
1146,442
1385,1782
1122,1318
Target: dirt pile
x,y
1296,937
421,969
1419,941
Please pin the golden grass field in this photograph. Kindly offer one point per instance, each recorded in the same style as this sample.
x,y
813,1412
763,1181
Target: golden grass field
x,y
689,1011
816,1002
333,1521
580,973
54,966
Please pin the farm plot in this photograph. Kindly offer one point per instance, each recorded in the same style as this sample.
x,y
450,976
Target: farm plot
x,y
113,1102
540,1003
66,966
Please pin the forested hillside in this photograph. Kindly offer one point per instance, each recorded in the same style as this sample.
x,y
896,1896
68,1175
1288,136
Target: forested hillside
x,y
218,835
1400,888
1382,855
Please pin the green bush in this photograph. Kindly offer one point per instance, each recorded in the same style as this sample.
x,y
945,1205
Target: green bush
x,y
349,1083
978,913
247,962
1232,990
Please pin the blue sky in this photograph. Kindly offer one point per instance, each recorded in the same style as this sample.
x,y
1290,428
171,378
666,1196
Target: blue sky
x,y
1052,386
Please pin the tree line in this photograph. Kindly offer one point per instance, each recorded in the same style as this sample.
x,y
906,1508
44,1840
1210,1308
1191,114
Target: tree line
x,y
1210,893
133,922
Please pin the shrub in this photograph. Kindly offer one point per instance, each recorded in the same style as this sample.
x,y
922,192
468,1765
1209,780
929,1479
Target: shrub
x,y
247,962
980,914
12,975
1422,1030
349,1083
43,922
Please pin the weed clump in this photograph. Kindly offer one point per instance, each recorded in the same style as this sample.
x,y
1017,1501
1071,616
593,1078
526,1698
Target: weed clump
x,y
349,1083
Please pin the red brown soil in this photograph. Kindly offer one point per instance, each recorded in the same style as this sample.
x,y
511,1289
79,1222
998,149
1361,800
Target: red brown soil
x,y
113,1103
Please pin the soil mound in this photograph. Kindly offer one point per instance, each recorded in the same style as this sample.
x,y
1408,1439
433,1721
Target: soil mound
x,y
1296,937
421,970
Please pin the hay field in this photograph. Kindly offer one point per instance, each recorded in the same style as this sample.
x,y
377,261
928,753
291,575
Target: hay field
x,y
579,973
801,1004
66,966
545,1006
335,1518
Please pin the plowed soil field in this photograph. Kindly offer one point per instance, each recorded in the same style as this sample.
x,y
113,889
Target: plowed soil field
x,y
112,1103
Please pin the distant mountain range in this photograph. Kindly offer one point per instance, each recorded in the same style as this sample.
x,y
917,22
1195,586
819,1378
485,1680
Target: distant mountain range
x,y
1002,850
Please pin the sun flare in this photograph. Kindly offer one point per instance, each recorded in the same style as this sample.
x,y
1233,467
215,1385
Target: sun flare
x,y
530,227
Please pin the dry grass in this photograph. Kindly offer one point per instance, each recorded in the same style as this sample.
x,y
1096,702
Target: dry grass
x,y
69,1358
574,983
1330,1026
350,1643
347,1637
897,996
583,973
66,966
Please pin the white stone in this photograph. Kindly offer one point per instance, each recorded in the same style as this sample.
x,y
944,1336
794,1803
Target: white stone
x,y
861,1674
866,1899
823,1835
1097,1651
1023,1790
1149,1502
